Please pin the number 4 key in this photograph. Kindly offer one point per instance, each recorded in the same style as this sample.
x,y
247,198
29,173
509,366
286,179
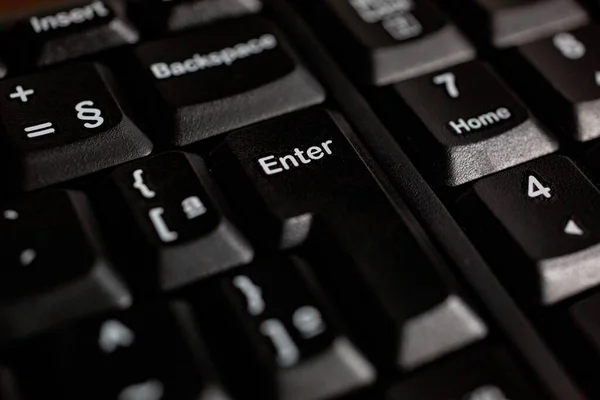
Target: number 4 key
x,y
544,250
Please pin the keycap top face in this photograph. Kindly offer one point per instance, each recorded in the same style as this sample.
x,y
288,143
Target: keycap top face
x,y
308,148
548,205
383,24
463,104
219,61
569,62
43,244
59,107
168,200
285,300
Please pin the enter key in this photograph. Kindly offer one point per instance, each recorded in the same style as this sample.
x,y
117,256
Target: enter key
x,y
298,177
285,171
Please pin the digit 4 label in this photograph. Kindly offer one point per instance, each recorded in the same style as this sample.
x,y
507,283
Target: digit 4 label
x,y
536,189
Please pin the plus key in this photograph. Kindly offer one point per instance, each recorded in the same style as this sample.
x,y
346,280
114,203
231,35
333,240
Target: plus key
x,y
51,123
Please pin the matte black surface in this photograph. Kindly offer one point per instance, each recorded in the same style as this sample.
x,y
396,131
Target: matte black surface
x,y
176,221
55,34
398,39
55,267
478,125
244,62
63,123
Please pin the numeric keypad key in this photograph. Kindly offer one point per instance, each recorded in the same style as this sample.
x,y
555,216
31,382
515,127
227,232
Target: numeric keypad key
x,y
476,125
507,23
64,123
564,70
398,39
178,221
537,224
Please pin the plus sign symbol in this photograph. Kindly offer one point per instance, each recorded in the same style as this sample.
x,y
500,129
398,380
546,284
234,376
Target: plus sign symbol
x,y
22,94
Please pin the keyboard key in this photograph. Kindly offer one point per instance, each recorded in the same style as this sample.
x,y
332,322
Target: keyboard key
x,y
144,354
65,123
286,178
290,332
540,216
70,31
178,220
477,126
158,16
240,68
399,39
300,169
481,373
54,265
564,72
506,23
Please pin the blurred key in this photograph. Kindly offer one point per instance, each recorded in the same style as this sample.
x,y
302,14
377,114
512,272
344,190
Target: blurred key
x,y
288,330
63,123
476,125
398,39
159,16
225,76
536,223
66,30
144,354
485,372
169,210
505,23
54,265
563,70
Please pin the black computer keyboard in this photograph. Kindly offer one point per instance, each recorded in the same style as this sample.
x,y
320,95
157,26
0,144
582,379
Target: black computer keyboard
x,y
300,200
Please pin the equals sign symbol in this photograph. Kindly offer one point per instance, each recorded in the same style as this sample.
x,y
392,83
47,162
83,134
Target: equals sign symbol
x,y
39,130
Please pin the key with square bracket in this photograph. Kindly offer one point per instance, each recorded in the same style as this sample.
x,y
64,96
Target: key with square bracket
x,y
63,123
288,332
177,221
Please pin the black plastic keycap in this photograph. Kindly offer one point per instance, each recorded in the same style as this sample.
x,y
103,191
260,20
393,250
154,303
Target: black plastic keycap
x,y
159,16
225,76
177,220
542,217
68,30
145,354
486,372
476,125
505,23
54,266
287,170
290,332
398,39
563,70
65,123
298,177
